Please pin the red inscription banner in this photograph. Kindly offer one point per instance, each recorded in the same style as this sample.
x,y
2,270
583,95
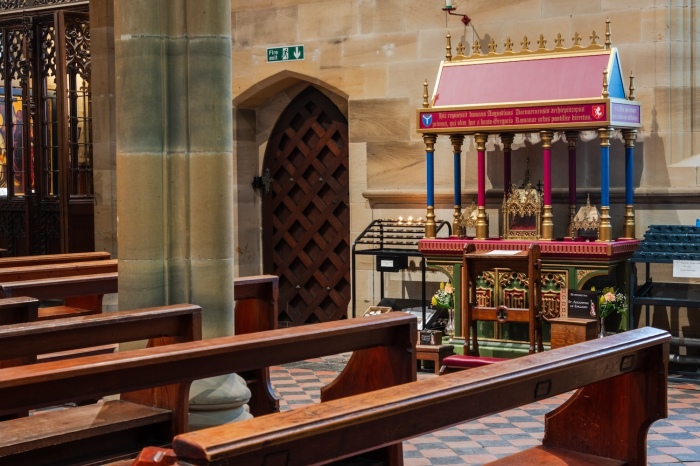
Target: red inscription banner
x,y
546,115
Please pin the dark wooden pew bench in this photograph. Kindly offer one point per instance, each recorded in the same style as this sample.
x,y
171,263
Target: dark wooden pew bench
x,y
68,269
154,386
19,261
256,311
29,342
81,295
17,310
622,389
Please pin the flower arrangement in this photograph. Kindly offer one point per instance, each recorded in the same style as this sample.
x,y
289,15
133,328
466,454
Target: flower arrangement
x,y
444,297
612,301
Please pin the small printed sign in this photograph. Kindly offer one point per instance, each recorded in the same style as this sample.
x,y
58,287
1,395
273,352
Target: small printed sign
x,y
686,269
582,304
285,53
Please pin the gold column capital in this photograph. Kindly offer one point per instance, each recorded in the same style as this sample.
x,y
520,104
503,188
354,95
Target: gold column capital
x,y
480,140
605,228
457,141
572,138
507,139
630,136
605,134
546,137
429,140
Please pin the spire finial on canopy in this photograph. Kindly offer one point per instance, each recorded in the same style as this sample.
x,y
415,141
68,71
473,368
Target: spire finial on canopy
x,y
605,94
426,103
631,95
448,48
608,35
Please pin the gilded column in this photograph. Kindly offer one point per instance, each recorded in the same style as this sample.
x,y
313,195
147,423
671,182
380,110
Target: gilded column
x,y
547,222
571,139
482,221
457,141
605,228
429,140
628,229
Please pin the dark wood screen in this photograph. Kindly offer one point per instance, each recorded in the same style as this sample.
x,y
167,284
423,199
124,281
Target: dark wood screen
x,y
46,198
306,213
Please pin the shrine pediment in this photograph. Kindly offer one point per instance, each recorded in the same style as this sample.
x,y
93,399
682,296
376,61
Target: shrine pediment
x,y
561,88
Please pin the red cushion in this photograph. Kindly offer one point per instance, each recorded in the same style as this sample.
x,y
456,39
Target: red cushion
x,y
458,360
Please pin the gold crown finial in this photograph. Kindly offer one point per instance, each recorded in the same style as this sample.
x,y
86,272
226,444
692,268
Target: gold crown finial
x,y
448,48
508,45
542,42
426,103
594,37
608,35
476,48
631,96
460,49
525,43
559,41
577,40
605,84
492,46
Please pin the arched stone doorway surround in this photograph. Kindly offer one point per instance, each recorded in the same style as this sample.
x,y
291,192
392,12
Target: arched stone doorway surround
x,y
255,113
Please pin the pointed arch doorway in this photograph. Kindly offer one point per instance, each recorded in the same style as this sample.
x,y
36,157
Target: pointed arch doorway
x,y
306,212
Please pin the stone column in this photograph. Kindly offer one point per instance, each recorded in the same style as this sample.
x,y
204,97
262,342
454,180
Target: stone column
x,y
175,168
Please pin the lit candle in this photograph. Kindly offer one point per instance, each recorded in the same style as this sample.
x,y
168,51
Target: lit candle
x,y
448,3
410,219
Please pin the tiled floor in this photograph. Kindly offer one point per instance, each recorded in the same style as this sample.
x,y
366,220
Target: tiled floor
x,y
671,441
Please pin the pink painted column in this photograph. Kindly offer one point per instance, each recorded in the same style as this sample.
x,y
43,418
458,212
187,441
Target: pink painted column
x,y
547,217
482,222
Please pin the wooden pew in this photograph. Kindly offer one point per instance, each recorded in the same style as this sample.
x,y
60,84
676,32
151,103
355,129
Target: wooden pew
x,y
68,269
256,311
160,325
27,342
81,295
622,389
17,310
20,261
154,383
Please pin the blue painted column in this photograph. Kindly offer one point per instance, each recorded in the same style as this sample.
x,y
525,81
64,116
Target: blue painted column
x,y
605,228
429,140
457,140
628,228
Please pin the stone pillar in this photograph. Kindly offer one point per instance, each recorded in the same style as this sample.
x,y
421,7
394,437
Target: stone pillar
x,y
175,168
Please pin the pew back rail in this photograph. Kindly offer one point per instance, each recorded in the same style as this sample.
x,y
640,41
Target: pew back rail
x,y
383,345
621,382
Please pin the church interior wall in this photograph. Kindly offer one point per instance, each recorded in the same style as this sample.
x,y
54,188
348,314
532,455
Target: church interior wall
x,y
371,58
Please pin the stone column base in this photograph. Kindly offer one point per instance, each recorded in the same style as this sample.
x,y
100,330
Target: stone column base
x,y
218,400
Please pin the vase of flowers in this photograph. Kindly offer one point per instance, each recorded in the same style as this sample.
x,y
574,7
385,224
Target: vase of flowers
x,y
444,298
611,302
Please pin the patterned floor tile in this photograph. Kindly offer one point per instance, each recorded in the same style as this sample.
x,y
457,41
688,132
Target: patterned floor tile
x,y
671,441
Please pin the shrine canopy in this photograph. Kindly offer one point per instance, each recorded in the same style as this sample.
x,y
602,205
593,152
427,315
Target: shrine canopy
x,y
556,89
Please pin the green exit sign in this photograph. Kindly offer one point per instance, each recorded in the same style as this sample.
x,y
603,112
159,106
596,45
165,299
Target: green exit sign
x,y
286,53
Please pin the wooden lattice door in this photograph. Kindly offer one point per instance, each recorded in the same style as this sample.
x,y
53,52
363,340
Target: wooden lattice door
x,y
306,213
